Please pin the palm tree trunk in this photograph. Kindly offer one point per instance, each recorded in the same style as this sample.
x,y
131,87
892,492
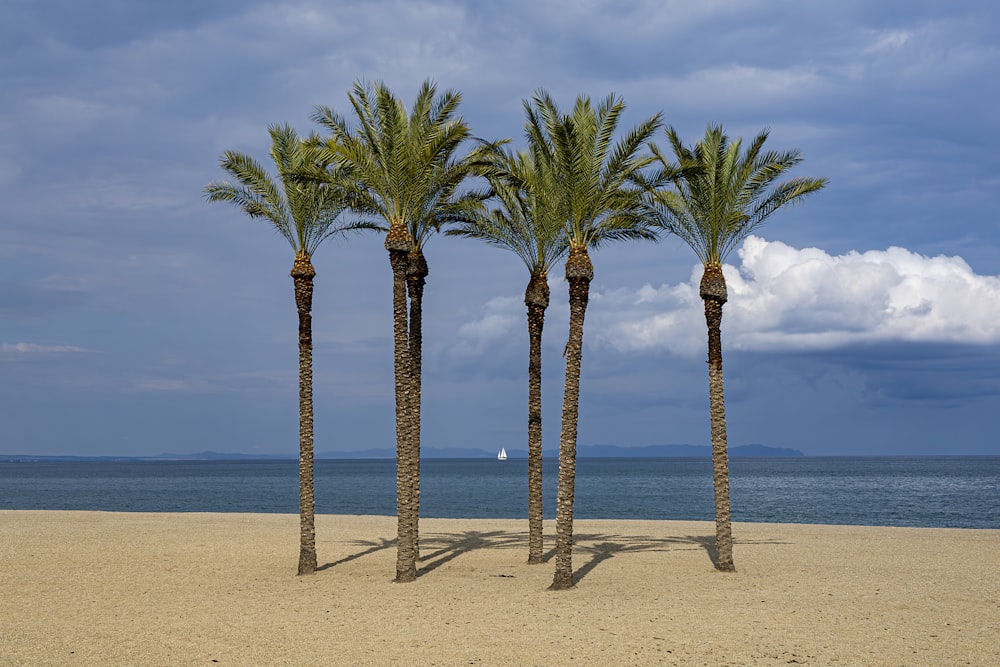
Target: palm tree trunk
x,y
536,298
579,273
398,244
302,276
416,278
713,292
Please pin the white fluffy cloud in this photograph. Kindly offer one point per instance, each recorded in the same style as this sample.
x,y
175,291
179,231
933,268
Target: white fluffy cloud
x,y
782,297
785,297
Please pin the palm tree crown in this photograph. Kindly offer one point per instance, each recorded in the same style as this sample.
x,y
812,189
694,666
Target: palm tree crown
x,y
601,184
526,219
405,168
303,211
725,193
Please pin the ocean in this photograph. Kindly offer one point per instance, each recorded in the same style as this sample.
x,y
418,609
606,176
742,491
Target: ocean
x,y
957,492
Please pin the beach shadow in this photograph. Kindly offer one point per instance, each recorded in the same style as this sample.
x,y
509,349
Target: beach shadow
x,y
374,546
601,548
450,546
438,549
446,547
707,542
598,554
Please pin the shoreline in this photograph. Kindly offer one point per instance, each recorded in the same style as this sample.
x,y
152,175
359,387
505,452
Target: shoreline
x,y
120,588
548,519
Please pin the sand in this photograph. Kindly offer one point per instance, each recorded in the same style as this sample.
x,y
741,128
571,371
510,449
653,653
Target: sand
x,y
97,588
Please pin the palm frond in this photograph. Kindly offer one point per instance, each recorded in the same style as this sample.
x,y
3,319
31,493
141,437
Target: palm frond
x,y
521,220
406,167
721,193
305,209
600,180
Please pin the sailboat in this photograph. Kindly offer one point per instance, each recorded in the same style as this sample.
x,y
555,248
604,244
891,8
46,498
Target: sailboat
x,y
502,456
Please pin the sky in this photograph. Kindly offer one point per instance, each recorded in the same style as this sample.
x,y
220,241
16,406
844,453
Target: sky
x,y
136,318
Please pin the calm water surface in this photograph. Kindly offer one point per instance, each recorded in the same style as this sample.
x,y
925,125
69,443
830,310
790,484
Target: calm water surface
x,y
961,492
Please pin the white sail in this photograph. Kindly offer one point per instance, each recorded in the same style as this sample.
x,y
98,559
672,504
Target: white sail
x,y
502,456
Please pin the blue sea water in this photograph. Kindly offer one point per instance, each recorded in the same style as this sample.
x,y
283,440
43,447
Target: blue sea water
x,y
959,492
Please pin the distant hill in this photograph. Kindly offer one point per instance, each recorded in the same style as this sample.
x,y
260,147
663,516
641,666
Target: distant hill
x,y
425,453
693,451
224,456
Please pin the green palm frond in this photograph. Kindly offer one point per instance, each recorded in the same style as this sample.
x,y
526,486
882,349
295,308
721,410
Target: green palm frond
x,y
722,193
522,220
304,209
601,179
405,168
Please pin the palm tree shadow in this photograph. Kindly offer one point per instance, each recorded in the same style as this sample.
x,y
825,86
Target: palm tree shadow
x,y
707,542
598,554
374,546
446,547
452,545
604,547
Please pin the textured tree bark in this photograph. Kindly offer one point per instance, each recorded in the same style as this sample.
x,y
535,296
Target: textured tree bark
x,y
713,292
302,277
398,243
536,298
416,278
579,273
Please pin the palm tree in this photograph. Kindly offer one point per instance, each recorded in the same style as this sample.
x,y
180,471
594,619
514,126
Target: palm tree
x,y
601,201
407,173
722,196
526,222
305,213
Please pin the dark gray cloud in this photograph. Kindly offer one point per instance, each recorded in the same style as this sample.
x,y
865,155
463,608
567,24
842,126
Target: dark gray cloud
x,y
148,320
928,374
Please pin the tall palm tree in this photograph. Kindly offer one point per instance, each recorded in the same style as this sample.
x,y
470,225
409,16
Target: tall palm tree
x,y
601,201
722,196
526,222
305,213
406,171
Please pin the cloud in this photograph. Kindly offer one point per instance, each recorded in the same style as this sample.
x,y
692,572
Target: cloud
x,y
756,86
171,385
934,374
665,318
70,115
501,316
35,349
182,381
785,298
492,341
888,41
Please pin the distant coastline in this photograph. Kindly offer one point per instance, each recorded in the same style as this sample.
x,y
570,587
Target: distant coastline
x,y
583,451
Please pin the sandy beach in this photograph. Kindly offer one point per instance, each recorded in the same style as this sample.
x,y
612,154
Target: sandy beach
x,y
97,588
